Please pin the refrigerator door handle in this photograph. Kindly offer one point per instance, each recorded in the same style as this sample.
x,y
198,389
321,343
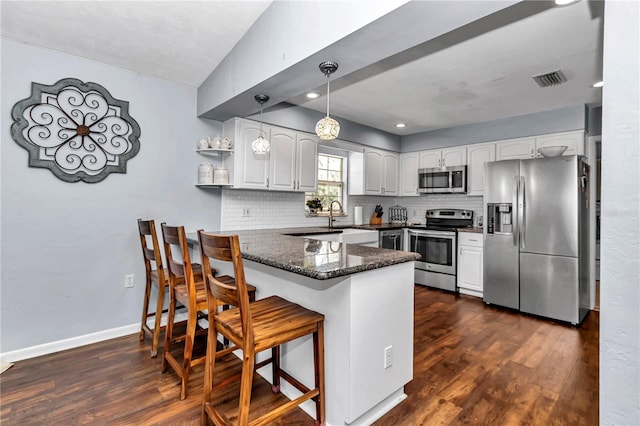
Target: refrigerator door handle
x,y
516,228
521,212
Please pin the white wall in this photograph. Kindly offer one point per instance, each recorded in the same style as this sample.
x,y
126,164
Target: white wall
x,y
66,247
620,231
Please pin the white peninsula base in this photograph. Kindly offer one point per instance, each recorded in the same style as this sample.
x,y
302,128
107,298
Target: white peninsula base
x,y
365,314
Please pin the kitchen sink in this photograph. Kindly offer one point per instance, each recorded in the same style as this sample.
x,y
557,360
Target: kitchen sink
x,y
350,236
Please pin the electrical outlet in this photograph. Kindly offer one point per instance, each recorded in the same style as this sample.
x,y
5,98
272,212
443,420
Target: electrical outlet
x,y
129,280
245,212
388,356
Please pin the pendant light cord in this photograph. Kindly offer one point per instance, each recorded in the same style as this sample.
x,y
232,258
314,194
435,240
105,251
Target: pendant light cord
x,y
327,94
260,120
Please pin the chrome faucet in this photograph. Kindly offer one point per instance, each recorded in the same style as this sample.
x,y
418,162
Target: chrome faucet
x,y
331,219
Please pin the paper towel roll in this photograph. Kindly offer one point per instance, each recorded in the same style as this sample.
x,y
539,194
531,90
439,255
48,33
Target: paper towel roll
x,y
357,215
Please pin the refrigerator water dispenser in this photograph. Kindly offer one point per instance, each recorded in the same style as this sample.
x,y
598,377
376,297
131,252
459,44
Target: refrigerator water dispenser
x,y
499,218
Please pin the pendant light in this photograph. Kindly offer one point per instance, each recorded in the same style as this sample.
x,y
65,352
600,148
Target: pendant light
x,y
328,128
261,145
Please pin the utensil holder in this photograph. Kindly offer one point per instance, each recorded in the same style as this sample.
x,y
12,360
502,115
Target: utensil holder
x,y
375,220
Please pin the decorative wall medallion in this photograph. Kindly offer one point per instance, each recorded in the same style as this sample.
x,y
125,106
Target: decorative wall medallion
x,y
77,130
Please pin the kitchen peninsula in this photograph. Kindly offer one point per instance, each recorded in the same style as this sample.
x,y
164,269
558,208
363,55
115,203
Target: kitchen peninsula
x,y
366,295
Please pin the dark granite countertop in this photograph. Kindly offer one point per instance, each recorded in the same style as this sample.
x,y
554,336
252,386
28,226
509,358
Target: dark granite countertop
x,y
313,258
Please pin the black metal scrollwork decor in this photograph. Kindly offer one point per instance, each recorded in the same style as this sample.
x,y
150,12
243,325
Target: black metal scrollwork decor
x,y
77,130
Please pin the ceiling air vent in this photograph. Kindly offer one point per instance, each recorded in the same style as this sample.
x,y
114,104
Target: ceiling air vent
x,y
549,79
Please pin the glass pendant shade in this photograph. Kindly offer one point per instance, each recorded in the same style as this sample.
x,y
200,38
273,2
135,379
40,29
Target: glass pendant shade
x,y
261,145
327,128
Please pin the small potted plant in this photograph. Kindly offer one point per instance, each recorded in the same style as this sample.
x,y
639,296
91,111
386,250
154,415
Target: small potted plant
x,y
314,205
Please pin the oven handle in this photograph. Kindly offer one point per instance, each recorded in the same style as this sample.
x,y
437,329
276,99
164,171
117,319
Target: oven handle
x,y
433,233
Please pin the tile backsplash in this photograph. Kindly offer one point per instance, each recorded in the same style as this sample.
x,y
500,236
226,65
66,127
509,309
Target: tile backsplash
x,y
271,209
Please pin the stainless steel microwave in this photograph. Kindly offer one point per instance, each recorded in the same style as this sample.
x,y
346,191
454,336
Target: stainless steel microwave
x,y
437,180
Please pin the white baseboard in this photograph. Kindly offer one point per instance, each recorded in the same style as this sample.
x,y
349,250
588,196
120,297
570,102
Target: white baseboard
x,y
76,342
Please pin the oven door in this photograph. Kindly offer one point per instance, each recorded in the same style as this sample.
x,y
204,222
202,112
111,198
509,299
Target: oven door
x,y
437,250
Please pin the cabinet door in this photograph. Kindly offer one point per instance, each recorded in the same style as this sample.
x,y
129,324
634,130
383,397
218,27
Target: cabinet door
x,y
251,170
514,149
470,268
409,174
282,168
573,140
477,156
454,157
307,164
430,159
372,172
390,174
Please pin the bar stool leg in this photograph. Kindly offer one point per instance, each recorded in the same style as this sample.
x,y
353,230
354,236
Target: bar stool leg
x,y
169,331
248,364
318,360
188,350
275,367
158,318
145,306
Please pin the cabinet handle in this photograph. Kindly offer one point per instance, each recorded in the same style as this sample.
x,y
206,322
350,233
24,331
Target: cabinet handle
x,y
460,252
444,161
267,182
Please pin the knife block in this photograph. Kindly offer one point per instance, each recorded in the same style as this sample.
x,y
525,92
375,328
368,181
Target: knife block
x,y
375,220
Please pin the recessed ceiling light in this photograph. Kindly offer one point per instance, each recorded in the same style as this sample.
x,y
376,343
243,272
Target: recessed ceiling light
x,y
565,2
401,125
312,95
598,84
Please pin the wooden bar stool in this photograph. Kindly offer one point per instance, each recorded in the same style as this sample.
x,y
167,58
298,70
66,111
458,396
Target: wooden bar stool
x,y
254,327
187,290
155,275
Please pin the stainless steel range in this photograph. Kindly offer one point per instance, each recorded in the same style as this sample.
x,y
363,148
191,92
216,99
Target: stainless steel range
x,y
436,242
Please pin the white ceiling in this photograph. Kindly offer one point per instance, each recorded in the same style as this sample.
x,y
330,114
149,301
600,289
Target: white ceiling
x,y
483,78
180,41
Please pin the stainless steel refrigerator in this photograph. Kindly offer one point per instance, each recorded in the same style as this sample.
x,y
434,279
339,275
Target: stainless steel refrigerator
x,y
536,236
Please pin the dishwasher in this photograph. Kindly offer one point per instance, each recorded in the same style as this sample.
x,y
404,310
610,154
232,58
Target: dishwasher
x,y
392,239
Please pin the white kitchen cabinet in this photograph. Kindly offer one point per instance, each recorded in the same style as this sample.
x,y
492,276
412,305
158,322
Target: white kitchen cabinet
x,y
447,157
282,161
516,149
574,141
380,172
291,165
250,171
409,165
477,156
523,148
306,163
470,251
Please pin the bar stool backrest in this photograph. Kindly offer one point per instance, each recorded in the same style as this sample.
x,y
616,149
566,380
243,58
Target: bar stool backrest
x,y
226,248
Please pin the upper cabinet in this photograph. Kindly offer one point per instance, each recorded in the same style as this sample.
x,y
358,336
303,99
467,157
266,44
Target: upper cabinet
x,y
514,149
306,162
373,172
523,148
409,165
292,164
447,157
380,172
574,141
477,156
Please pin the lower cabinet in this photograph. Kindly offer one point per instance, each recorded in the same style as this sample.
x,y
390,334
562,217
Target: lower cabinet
x,y
470,263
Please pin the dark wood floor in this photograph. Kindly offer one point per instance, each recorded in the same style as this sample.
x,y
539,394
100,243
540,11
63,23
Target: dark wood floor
x,y
473,365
